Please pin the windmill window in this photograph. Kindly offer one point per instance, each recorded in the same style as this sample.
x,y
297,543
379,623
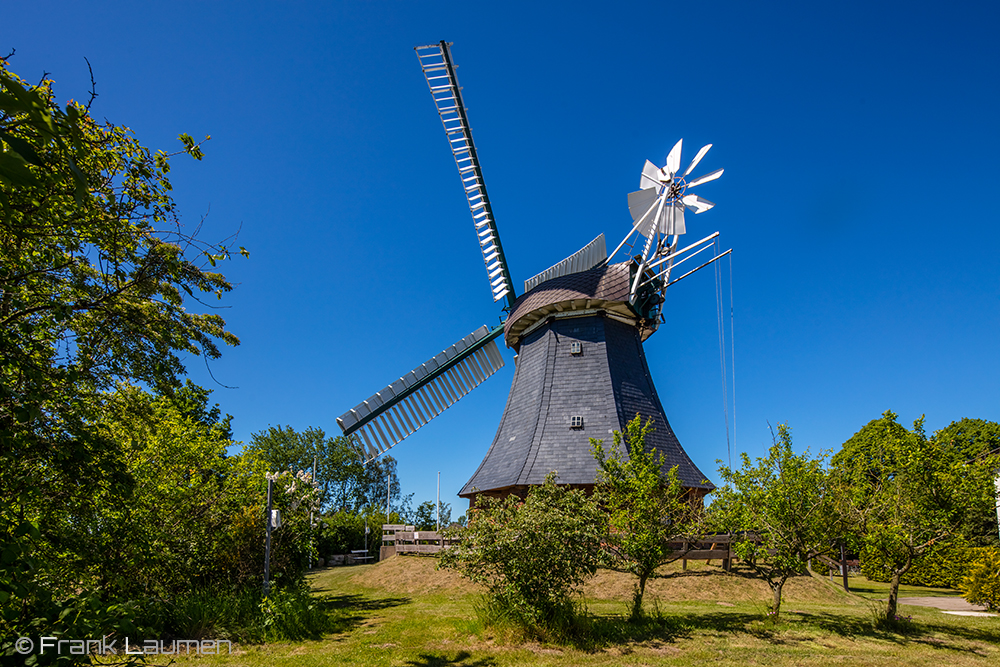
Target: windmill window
x,y
576,421
575,347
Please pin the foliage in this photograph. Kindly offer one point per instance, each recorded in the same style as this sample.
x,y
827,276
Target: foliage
x,y
343,532
971,438
645,506
293,613
168,535
905,493
97,277
785,501
296,497
943,565
975,440
427,519
531,555
346,482
982,585
239,615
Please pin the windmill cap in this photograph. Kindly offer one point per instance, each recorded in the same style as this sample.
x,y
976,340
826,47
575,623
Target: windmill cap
x,y
604,288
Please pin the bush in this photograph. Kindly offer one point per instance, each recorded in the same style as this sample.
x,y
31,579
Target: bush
x,y
531,556
982,585
293,614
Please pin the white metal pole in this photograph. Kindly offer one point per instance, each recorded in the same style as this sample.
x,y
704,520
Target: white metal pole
x,y
997,484
439,502
267,541
311,527
387,477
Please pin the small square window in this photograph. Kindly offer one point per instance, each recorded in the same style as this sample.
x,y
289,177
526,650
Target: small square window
x,y
575,347
576,421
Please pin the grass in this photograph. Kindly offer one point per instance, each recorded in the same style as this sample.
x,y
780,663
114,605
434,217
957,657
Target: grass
x,y
403,612
879,590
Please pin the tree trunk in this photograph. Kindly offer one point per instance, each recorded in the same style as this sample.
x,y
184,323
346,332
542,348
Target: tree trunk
x,y
637,596
890,612
776,603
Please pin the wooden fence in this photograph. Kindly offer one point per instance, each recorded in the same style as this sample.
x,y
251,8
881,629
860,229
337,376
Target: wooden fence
x,y
403,539
708,548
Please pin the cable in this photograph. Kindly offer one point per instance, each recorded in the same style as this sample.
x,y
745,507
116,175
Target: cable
x,y
722,352
732,341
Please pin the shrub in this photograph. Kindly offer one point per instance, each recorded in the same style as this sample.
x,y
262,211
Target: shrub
x,y
982,585
531,556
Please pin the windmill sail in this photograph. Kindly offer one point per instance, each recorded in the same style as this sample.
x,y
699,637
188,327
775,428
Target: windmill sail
x,y
436,63
397,411
587,257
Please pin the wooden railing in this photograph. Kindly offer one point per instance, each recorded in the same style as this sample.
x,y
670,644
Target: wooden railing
x,y
401,539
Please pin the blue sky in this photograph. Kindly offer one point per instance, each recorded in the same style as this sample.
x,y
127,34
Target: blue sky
x,y
859,142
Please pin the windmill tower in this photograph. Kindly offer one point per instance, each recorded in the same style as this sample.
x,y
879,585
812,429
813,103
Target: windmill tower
x,y
577,331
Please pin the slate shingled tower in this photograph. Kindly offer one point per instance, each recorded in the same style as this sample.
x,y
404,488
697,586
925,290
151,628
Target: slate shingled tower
x,y
580,355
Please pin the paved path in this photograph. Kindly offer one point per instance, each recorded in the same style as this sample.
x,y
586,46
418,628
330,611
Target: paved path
x,y
943,603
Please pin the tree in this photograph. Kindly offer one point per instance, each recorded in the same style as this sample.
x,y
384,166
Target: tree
x,y
646,507
531,555
904,493
97,280
975,440
347,483
971,438
427,519
783,507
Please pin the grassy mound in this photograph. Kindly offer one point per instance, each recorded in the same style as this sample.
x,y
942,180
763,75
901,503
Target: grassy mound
x,y
401,575
418,575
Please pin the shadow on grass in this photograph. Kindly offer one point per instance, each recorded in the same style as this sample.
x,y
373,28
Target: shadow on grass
x,y
606,631
348,612
356,602
915,632
617,630
461,659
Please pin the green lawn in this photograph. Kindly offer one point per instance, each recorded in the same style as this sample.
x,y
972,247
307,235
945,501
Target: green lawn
x,y
406,613
878,590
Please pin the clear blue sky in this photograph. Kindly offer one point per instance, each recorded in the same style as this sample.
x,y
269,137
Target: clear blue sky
x,y
860,143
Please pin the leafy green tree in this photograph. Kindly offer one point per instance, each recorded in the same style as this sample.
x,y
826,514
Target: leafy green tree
x,y
905,493
162,537
97,279
646,507
975,440
972,438
346,482
531,554
782,504
427,519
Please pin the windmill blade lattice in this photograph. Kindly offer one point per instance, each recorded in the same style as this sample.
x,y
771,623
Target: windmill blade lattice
x,y
438,69
397,411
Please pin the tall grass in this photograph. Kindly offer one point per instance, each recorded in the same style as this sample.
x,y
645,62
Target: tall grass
x,y
239,615
573,625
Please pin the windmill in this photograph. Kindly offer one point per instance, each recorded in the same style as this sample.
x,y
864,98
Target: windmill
x,y
577,330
